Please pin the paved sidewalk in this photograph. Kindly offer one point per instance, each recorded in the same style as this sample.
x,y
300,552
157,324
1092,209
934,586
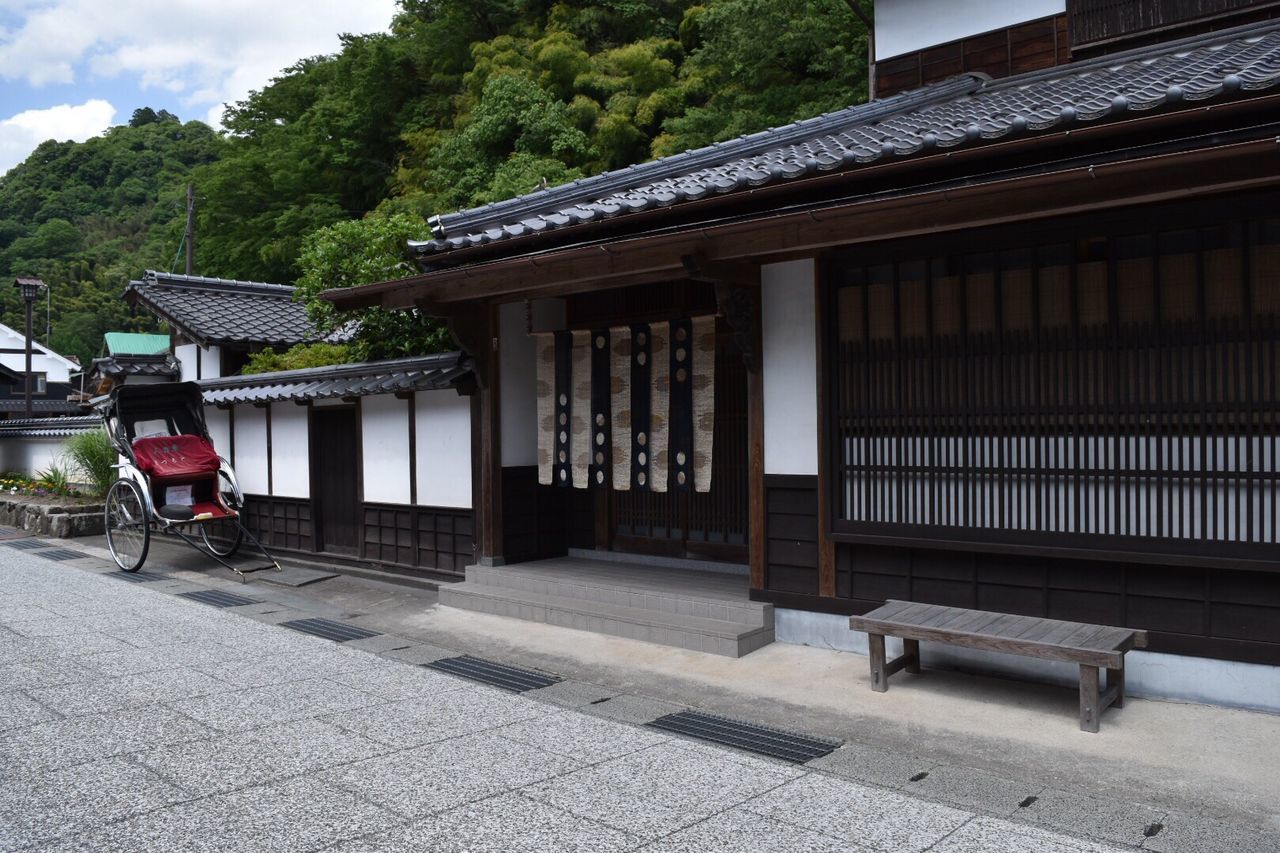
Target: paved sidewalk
x,y
134,720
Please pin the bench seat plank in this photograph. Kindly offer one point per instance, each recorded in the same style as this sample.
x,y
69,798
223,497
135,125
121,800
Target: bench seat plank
x,y
1051,639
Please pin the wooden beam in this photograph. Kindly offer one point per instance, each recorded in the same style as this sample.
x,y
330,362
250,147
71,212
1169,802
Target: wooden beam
x,y
489,507
826,546
755,473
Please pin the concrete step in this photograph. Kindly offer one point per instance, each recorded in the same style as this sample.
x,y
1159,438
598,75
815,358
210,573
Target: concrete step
x,y
702,595
664,627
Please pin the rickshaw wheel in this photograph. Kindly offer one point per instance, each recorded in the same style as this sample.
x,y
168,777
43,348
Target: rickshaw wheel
x,y
222,546
128,528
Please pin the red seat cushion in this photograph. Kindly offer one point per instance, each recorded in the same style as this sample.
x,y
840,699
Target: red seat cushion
x,y
172,456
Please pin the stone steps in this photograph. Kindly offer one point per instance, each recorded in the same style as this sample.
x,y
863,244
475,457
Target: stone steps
x,y
686,610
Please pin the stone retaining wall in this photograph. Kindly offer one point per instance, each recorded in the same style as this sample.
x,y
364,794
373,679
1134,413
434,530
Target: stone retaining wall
x,y
61,521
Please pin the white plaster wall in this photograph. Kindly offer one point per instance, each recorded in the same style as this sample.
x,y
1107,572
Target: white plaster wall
x,y
219,423
290,451
444,449
209,362
903,26
43,360
518,400
31,456
251,449
790,363
384,430
1149,674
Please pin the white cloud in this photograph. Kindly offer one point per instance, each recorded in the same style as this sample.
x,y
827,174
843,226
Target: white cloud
x,y
21,133
207,53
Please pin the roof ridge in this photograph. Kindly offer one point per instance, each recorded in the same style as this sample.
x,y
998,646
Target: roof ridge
x,y
334,371
601,185
200,282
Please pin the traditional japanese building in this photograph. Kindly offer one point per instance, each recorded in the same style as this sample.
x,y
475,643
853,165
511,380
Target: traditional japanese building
x,y
1005,340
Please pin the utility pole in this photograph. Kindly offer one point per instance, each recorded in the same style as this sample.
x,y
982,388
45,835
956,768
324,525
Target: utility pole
x,y
190,238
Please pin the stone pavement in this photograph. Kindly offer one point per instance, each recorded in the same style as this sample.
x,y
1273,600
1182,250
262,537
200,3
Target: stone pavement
x,y
134,720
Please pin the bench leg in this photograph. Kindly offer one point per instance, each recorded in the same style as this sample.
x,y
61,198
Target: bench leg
x,y
879,677
1089,710
1115,679
911,651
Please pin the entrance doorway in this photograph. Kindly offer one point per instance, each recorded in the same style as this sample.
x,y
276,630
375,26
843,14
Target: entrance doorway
x,y
707,525
335,478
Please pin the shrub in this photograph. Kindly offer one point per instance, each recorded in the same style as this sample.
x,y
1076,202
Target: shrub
x,y
55,479
93,454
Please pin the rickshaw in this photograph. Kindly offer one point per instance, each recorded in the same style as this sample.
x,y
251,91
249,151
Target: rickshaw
x,y
172,480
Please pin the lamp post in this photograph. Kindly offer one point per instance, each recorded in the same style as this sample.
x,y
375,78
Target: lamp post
x,y
30,289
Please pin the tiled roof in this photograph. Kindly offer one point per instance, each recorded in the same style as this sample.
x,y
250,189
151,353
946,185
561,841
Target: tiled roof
x,y
423,373
136,365
53,407
222,311
48,427
964,111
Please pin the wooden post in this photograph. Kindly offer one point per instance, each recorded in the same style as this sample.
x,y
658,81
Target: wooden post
x,y
911,654
879,678
1089,710
1115,681
826,546
755,477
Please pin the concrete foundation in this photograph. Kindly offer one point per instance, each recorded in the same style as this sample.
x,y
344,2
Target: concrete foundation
x,y
1148,674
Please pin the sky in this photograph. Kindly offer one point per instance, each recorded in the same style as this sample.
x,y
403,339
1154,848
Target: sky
x,y
69,69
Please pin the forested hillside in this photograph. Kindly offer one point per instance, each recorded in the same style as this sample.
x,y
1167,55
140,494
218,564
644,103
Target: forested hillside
x,y
461,103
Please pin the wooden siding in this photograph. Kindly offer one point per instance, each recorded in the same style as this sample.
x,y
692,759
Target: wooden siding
x,y
791,533
1122,23
1026,47
280,522
437,539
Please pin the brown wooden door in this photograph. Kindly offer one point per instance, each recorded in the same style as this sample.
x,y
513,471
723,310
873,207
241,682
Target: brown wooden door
x,y
335,478
710,525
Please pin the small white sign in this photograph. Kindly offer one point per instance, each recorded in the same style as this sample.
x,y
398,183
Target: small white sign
x,y
178,495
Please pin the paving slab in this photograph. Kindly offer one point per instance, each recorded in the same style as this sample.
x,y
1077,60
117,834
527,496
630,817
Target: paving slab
x,y
426,780
507,822
859,814
297,814
974,789
256,707
17,710
112,694
737,830
41,808
418,653
1182,833
657,791
434,717
380,643
395,682
25,675
1111,820
864,763
573,694
990,835
294,576
62,743
589,740
628,708
255,757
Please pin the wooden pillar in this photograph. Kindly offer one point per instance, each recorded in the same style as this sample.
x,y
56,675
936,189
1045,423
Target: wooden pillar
x,y
755,477
826,547
475,330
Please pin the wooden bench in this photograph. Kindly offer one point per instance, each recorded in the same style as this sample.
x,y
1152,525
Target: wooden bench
x,y
1093,647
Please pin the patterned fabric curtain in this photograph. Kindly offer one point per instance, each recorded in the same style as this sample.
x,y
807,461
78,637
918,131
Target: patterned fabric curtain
x,y
627,407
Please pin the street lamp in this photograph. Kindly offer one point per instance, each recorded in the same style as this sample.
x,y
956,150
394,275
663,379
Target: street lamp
x,y
30,289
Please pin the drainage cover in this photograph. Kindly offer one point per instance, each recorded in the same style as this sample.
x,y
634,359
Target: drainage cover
x,y
218,598
494,674
776,743
28,544
60,554
136,577
330,630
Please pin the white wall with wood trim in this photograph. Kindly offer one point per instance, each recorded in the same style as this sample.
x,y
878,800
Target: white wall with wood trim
x,y
198,362
290,451
219,423
32,456
443,439
790,364
252,460
384,437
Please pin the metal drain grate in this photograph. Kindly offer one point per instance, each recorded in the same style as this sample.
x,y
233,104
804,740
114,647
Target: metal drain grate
x,y
776,743
61,554
218,598
136,577
494,674
28,544
330,630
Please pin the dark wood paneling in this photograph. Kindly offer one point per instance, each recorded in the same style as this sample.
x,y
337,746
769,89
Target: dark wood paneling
x,y
1029,46
791,533
335,477
446,539
535,525
1204,612
1107,23
280,522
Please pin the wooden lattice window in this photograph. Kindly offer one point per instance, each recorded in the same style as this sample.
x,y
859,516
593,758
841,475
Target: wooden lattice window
x,y
1080,388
